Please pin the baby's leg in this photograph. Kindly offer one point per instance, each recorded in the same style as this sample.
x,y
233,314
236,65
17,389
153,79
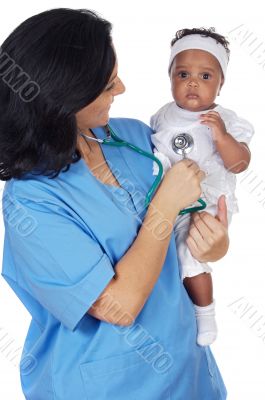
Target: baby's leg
x,y
200,290
198,283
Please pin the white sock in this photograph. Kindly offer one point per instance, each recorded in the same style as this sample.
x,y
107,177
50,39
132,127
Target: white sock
x,y
206,324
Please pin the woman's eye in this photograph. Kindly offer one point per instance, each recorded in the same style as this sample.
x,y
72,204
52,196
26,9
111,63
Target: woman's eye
x,y
110,86
183,74
206,76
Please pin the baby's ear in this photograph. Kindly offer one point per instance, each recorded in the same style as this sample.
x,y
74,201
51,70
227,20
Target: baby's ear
x,y
221,85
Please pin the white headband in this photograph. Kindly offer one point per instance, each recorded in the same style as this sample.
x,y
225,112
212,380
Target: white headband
x,y
199,42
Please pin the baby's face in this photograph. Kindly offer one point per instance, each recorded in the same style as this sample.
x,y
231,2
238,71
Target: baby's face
x,y
196,79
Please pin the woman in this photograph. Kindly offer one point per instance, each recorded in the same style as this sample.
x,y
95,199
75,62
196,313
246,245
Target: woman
x,y
97,271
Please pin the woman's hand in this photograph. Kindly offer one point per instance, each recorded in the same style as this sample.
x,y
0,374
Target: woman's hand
x,y
179,188
208,236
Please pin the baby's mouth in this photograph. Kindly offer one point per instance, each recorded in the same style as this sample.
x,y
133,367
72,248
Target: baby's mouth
x,y
192,96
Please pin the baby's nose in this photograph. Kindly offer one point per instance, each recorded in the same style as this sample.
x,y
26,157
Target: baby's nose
x,y
193,82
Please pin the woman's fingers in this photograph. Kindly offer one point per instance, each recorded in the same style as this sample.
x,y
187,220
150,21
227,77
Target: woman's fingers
x,y
202,221
202,233
197,244
222,211
201,174
199,232
195,168
206,222
207,237
192,245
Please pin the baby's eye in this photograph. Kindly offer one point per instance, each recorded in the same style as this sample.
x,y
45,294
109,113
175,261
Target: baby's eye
x,y
182,74
206,76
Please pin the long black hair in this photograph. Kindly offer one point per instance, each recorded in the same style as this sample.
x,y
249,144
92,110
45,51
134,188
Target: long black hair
x,y
51,66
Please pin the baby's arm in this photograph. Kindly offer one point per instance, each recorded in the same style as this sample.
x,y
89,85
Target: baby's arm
x,y
235,155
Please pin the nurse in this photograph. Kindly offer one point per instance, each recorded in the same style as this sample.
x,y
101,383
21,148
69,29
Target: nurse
x,y
96,270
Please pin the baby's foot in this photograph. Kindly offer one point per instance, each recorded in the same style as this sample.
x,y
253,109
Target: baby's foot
x,y
206,324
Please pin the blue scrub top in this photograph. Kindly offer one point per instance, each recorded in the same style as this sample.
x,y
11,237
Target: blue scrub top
x,y
63,238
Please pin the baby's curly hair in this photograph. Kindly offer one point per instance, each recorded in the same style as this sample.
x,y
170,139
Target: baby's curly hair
x,y
203,32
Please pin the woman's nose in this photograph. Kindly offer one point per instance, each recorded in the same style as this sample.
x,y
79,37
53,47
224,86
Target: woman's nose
x,y
120,88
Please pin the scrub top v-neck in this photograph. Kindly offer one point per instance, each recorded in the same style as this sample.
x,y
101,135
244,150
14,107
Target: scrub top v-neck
x,y
63,238
129,192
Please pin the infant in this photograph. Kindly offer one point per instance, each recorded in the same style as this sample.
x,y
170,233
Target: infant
x,y
197,70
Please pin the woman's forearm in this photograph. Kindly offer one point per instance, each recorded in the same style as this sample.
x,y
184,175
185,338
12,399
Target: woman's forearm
x,y
138,270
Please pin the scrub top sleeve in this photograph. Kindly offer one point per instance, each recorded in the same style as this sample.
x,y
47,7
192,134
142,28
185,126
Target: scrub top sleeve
x,y
58,263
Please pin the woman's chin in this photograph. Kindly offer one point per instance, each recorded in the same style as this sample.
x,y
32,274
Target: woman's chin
x,y
105,120
101,122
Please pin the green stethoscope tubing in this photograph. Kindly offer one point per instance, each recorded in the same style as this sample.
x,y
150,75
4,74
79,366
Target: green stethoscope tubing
x,y
119,142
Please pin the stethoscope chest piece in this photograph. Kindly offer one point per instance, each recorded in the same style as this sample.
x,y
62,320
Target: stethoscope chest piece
x,y
182,143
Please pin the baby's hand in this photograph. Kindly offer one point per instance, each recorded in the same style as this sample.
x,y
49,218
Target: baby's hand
x,y
214,121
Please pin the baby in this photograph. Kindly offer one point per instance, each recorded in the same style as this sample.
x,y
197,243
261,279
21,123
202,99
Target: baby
x,y
197,69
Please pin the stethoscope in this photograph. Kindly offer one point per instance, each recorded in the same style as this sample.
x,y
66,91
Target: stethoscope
x,y
181,144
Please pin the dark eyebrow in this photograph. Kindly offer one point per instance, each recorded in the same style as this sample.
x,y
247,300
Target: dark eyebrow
x,y
110,82
207,68
112,79
181,67
201,66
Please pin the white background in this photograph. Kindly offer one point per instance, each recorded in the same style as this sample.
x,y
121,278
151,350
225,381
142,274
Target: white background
x,y
142,33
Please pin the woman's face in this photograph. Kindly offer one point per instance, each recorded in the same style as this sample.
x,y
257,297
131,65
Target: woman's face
x,y
97,113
